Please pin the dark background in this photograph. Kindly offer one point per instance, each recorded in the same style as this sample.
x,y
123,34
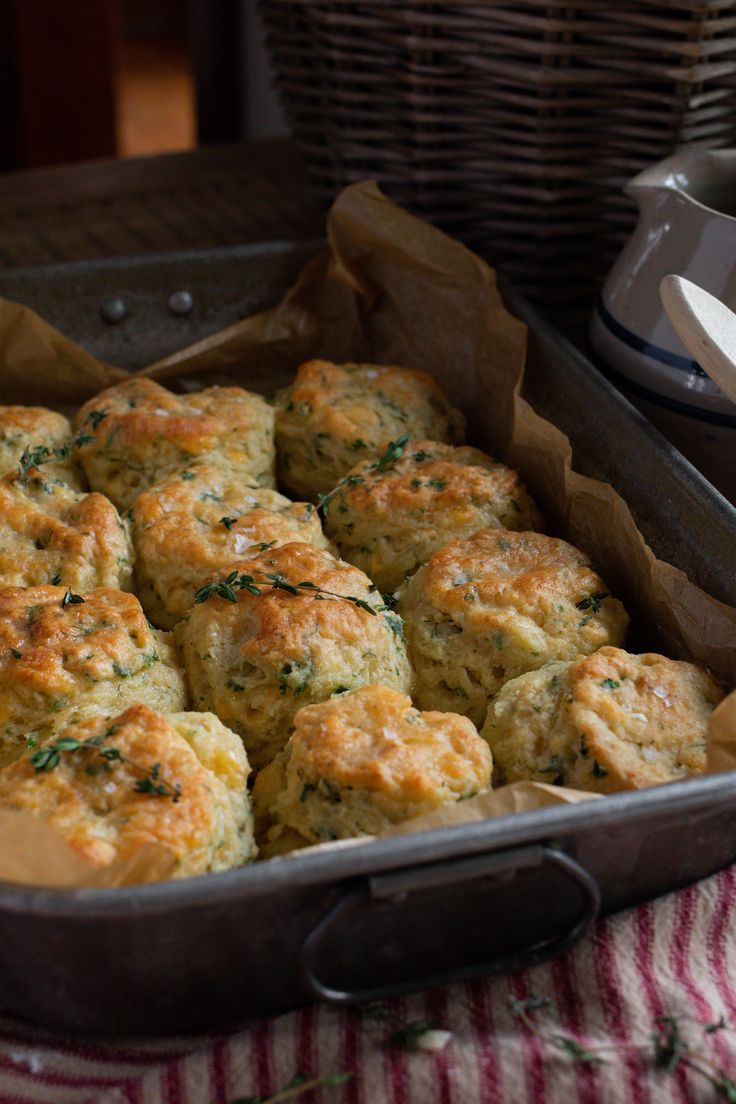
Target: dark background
x,y
105,78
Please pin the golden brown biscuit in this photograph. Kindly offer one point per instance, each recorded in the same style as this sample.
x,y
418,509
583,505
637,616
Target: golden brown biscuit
x,y
365,760
255,659
605,722
50,533
487,609
273,837
388,521
141,433
334,414
199,520
64,656
28,431
111,785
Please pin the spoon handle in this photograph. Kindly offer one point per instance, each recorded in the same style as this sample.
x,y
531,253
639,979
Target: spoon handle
x,y
706,327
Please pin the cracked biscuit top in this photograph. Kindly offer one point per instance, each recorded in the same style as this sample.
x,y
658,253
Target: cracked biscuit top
x,y
365,760
137,432
65,655
604,722
109,785
334,414
389,518
24,429
487,609
293,626
50,533
197,520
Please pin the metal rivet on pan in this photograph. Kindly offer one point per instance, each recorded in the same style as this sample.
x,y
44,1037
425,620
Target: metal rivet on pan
x,y
113,310
180,302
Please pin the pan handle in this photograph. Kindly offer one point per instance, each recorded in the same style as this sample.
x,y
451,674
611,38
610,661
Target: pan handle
x,y
399,884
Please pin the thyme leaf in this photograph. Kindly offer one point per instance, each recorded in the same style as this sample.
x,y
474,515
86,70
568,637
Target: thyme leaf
x,y
152,783
279,582
32,458
95,417
667,1042
71,599
592,602
577,1051
394,452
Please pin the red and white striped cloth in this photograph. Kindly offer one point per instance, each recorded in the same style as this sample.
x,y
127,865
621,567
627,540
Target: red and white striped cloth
x,y
675,956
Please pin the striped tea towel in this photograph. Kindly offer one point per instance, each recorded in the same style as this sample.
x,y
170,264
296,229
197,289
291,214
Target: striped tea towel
x,y
592,1044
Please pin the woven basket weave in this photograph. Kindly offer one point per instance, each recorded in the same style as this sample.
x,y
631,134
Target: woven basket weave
x,y
511,124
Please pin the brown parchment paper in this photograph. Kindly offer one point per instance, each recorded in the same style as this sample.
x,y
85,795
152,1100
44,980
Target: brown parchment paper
x,y
31,852
391,289
518,797
41,366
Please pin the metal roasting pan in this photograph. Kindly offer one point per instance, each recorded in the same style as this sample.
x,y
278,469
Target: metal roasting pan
x,y
367,919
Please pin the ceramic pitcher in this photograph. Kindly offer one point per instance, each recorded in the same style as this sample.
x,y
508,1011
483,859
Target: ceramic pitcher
x,y
687,226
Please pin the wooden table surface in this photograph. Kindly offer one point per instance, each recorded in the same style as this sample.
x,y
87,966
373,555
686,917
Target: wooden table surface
x,y
217,195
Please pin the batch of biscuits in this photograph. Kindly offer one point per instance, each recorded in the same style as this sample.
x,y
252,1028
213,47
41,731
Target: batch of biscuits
x,y
191,658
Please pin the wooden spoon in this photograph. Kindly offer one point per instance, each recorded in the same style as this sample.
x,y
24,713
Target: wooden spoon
x,y
706,327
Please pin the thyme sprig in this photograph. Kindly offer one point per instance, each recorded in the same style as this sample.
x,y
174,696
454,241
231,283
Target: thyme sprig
x,y
299,1084
48,758
666,1048
226,588
394,451
36,456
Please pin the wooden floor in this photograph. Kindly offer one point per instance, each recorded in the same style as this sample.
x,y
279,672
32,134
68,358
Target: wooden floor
x,y
155,97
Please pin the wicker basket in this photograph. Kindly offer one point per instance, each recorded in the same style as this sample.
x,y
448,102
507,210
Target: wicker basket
x,y
511,123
